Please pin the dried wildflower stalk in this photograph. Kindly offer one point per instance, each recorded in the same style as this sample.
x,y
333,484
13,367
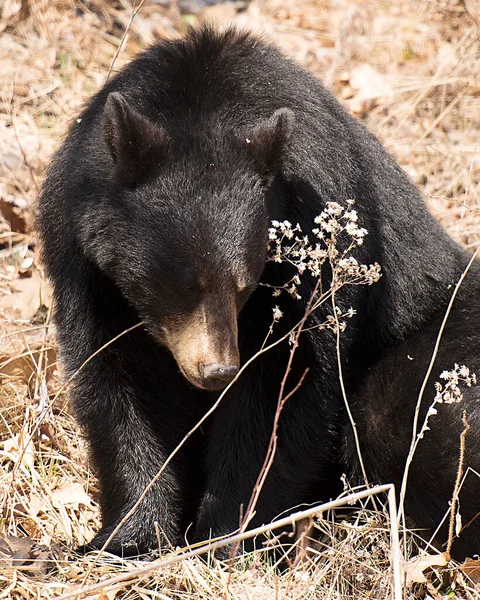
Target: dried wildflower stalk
x,y
449,393
456,491
332,223
289,244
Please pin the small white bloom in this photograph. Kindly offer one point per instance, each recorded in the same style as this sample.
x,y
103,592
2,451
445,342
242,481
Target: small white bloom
x,y
334,208
351,215
277,313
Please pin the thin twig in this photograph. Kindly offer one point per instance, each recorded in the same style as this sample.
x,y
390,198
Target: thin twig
x,y
395,557
414,442
22,149
39,419
42,352
344,393
124,37
272,447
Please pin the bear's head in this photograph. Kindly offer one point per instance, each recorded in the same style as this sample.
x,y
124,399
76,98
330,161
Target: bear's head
x,y
187,228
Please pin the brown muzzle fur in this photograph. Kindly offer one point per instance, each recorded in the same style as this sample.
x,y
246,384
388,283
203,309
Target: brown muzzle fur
x,y
205,344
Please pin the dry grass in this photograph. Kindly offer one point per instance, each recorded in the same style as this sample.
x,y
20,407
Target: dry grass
x,y
409,68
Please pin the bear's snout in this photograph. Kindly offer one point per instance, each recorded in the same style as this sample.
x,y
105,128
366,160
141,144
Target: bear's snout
x,y
205,344
216,377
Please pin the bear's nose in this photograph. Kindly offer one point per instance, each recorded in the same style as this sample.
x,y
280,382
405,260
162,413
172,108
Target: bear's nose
x,y
215,376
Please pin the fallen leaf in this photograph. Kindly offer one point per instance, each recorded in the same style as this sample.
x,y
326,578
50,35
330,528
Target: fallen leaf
x,y
15,551
471,568
35,505
415,567
15,212
368,85
71,495
23,364
27,295
20,447
21,552
41,560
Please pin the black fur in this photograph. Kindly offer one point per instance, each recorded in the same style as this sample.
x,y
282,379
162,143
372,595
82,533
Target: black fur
x,y
383,407
170,177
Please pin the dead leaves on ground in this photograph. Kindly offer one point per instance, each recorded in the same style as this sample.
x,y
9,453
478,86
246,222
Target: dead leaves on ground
x,y
415,568
23,553
471,568
440,579
26,364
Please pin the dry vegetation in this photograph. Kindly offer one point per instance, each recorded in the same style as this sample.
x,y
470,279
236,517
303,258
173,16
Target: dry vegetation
x,y
409,68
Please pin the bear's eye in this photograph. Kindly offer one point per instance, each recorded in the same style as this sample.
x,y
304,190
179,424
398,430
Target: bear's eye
x,y
186,281
190,284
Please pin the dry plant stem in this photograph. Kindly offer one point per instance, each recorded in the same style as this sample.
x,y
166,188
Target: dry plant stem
x,y
396,554
272,447
28,352
269,457
239,537
11,587
124,37
447,514
22,150
42,357
11,334
440,117
267,464
415,439
344,393
461,461
38,366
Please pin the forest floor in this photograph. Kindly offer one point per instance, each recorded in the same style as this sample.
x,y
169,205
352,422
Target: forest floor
x,y
410,69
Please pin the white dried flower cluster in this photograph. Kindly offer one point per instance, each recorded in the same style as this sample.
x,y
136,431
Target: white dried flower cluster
x,y
334,220
450,392
330,322
288,243
277,314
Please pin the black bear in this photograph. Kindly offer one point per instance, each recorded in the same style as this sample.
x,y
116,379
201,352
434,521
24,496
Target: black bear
x,y
156,210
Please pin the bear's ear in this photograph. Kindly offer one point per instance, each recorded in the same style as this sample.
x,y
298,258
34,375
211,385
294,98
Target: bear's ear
x,y
135,142
267,140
